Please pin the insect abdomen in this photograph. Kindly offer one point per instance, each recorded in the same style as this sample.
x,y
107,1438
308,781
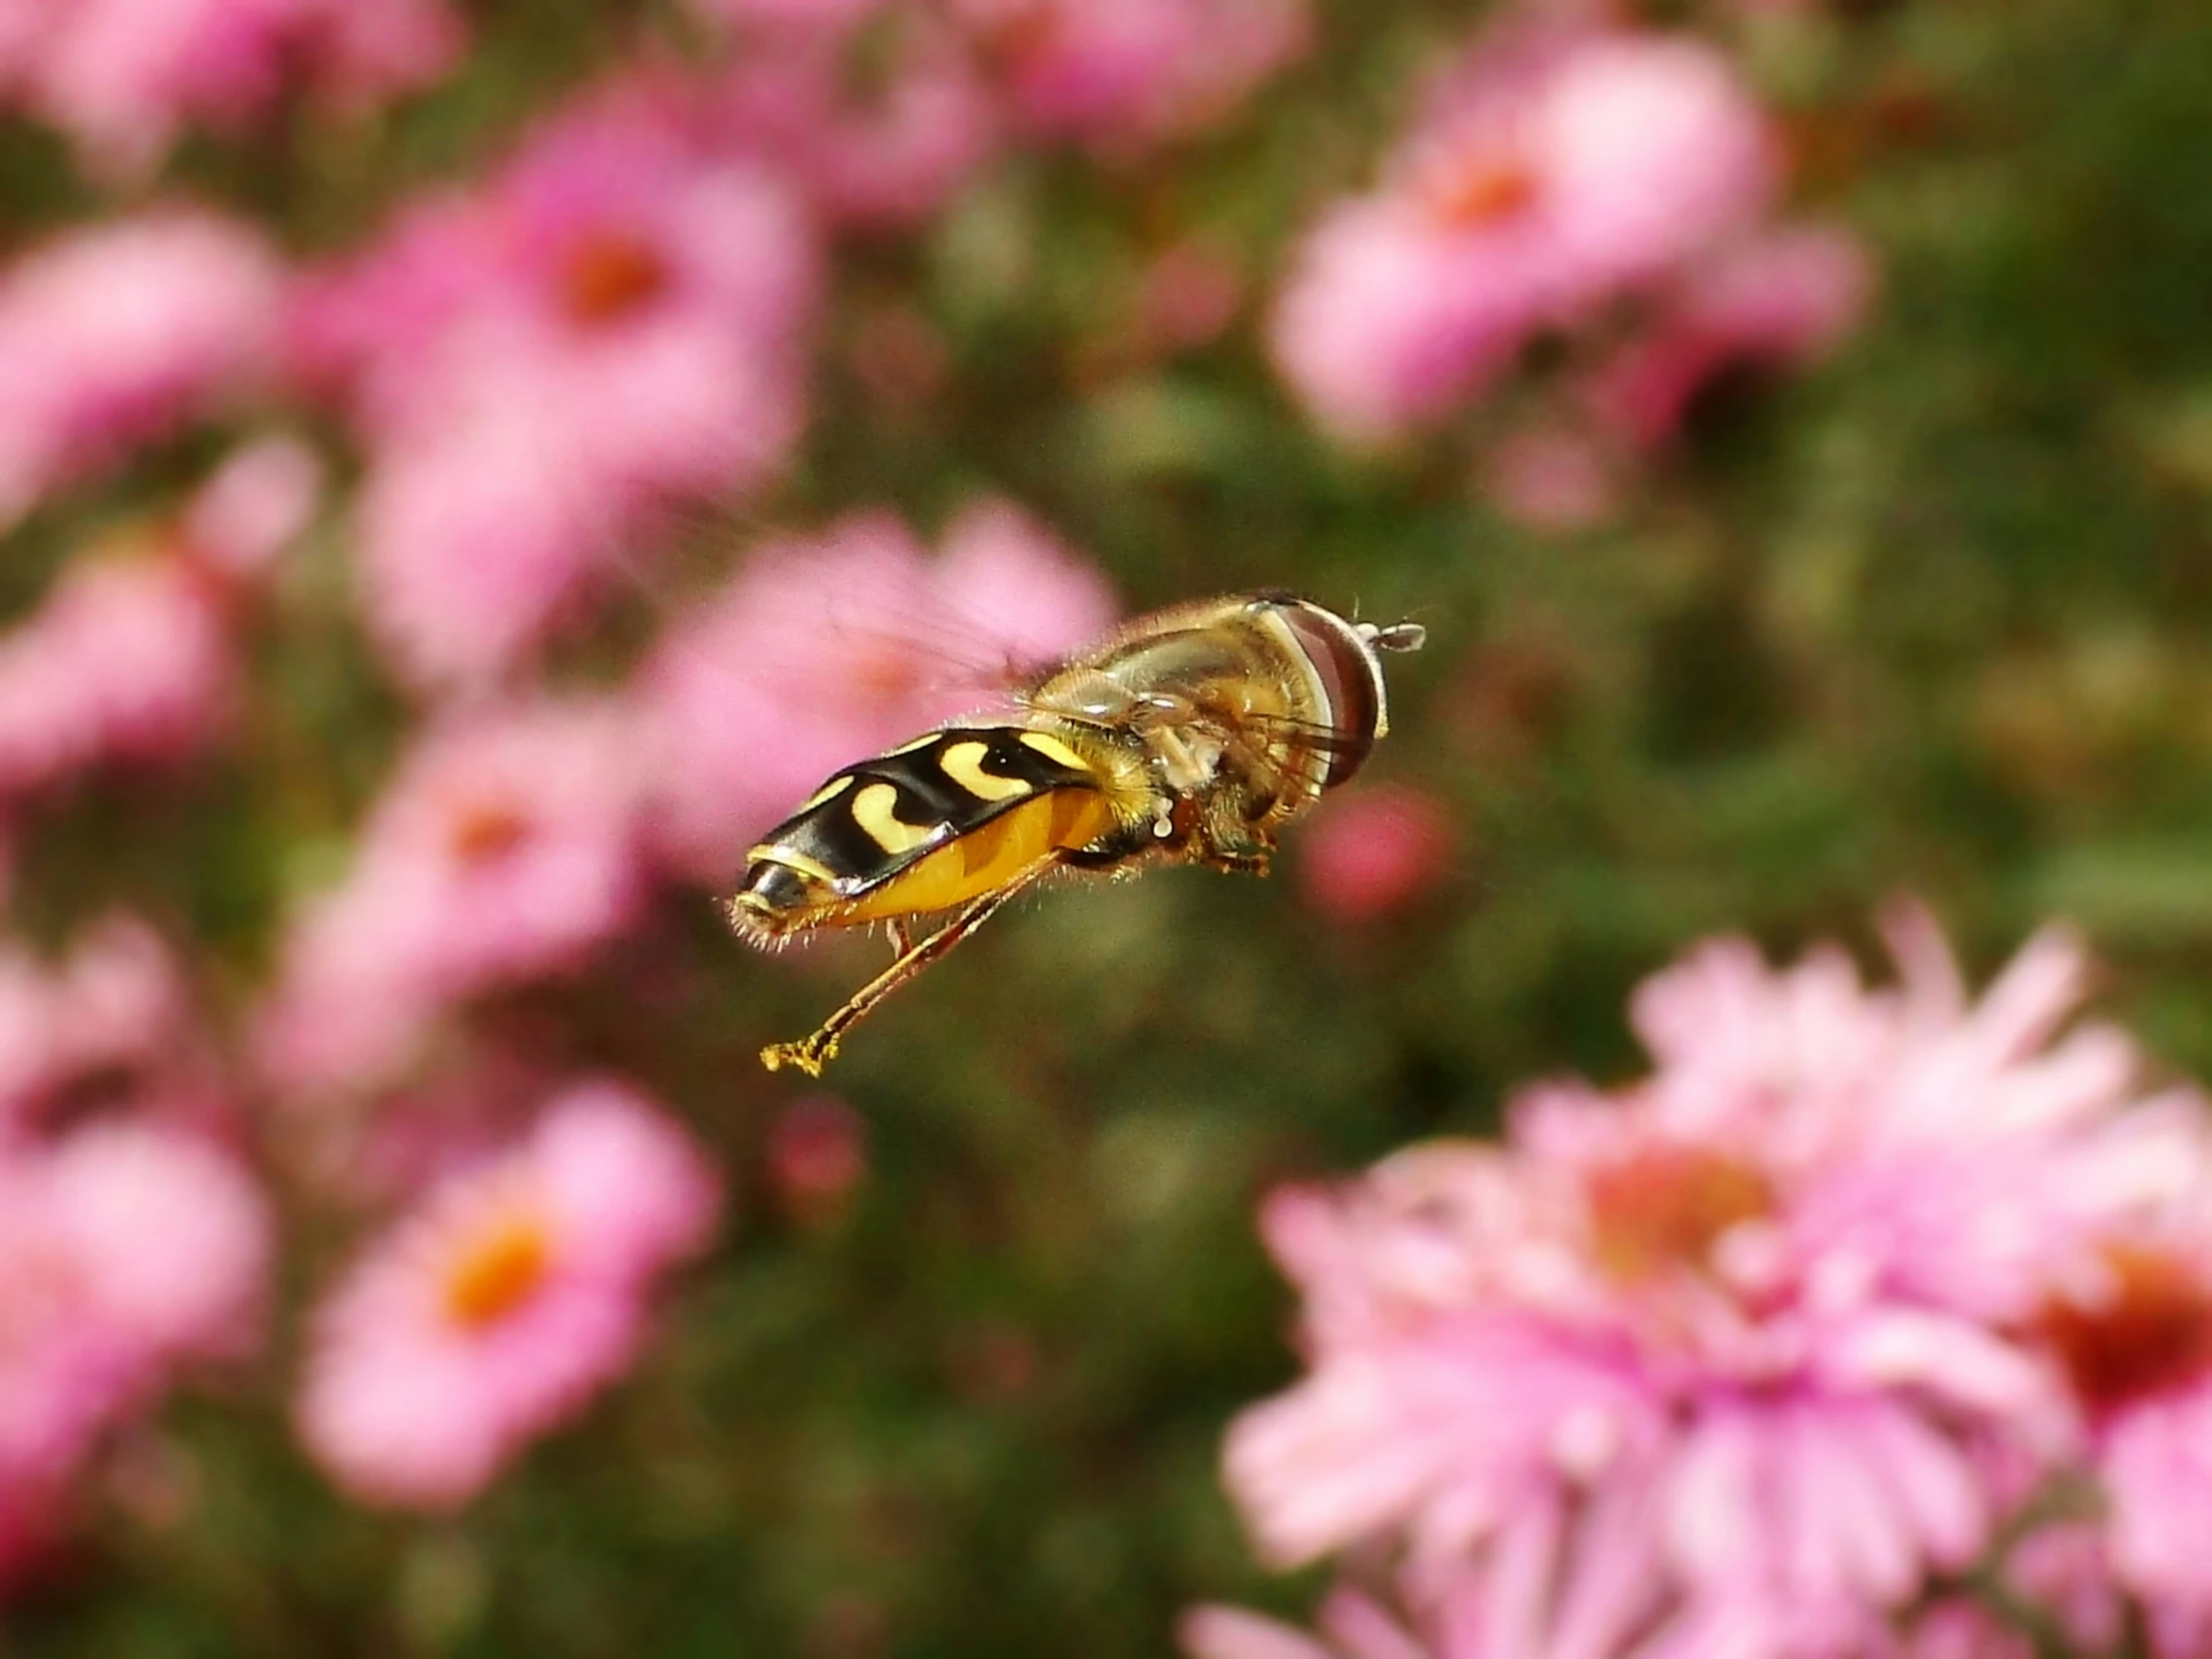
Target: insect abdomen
x,y
944,817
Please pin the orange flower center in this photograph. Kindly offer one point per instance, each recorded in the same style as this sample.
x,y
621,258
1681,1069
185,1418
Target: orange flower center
x,y
487,831
1481,188
1668,1206
2153,1332
499,1271
609,275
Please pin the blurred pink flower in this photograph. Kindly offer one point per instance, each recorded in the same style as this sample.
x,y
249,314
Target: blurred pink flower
x,y
817,1155
1756,1321
115,335
254,505
498,1308
2134,1338
123,77
128,661
1552,480
1787,298
1124,77
825,651
616,322
883,144
504,850
128,1249
1548,176
107,1031
1372,851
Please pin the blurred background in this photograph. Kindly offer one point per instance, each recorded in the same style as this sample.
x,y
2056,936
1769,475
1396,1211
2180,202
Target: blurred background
x,y
467,470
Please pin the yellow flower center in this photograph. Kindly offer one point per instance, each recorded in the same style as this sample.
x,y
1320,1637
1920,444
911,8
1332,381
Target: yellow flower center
x,y
1480,188
1667,1206
500,1269
487,831
609,275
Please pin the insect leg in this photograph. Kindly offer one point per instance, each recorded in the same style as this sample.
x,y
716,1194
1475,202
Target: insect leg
x,y
809,1054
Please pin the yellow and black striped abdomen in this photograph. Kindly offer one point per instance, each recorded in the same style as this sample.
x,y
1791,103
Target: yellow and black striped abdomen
x,y
935,821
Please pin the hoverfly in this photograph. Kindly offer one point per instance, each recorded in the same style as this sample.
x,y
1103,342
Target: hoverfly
x,y
1189,736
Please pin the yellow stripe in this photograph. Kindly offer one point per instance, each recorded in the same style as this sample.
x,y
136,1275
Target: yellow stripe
x,y
1052,748
874,810
922,742
790,858
963,764
826,794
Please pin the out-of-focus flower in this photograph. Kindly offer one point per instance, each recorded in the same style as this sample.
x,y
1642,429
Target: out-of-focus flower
x,y
881,107
1787,298
1372,851
1547,177
1551,480
617,320
128,661
1124,77
496,1310
128,1251
817,1155
2135,1337
1729,1350
828,650
106,1032
504,850
123,77
253,507
115,335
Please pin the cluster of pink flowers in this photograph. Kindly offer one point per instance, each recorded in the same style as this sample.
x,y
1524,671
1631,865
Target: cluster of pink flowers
x,y
947,84
123,77
1559,175
1758,1356
134,1246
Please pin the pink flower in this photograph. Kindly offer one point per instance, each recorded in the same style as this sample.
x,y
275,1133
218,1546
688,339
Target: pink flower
x,y
504,850
1785,299
1548,177
1727,1355
254,506
115,335
128,661
817,1155
123,77
617,320
884,146
1373,851
1553,481
128,1251
106,1031
1127,75
497,1309
2135,1337
827,651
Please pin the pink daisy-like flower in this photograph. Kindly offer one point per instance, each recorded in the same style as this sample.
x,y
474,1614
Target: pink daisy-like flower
x,y
1784,299
828,650
115,335
505,849
1759,1321
123,77
617,320
1547,177
501,1306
